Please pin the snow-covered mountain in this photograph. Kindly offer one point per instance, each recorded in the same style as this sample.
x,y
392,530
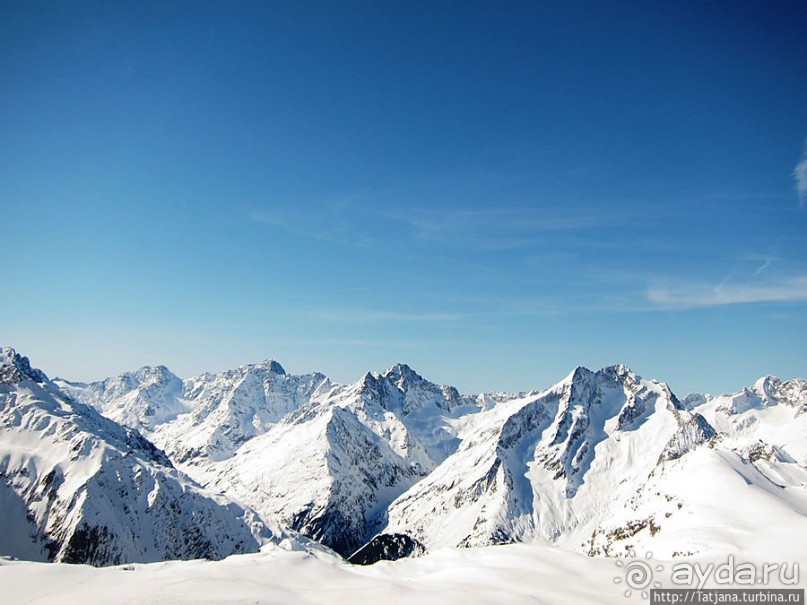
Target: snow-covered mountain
x,y
141,400
205,418
324,458
327,475
605,462
331,467
601,463
77,487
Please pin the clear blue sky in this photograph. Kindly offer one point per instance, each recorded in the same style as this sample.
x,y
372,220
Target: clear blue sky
x,y
492,192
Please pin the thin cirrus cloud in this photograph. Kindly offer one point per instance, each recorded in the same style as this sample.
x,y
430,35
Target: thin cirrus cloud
x,y
367,316
800,175
694,295
502,228
438,224
329,228
767,261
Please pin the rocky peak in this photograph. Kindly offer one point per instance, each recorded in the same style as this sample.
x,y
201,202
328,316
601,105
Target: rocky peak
x,y
621,375
158,373
584,387
403,376
142,378
272,366
767,388
15,368
774,391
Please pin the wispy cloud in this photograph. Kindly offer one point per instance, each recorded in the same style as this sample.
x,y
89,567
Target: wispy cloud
x,y
366,316
324,225
692,295
491,224
763,266
370,222
767,261
800,174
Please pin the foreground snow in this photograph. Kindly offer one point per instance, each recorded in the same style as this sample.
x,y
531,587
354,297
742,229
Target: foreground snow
x,y
509,574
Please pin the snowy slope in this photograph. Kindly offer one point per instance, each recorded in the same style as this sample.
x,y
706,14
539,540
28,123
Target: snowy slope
x,y
510,575
230,408
207,418
752,481
771,413
327,476
424,409
77,487
204,418
600,463
325,458
514,574
141,400
331,466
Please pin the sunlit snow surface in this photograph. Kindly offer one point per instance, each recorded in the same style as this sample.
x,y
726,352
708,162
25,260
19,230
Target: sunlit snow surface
x,y
510,575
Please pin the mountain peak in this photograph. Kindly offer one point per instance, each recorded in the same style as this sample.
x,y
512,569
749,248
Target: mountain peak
x,y
618,368
15,368
273,366
402,370
579,373
158,373
619,372
766,385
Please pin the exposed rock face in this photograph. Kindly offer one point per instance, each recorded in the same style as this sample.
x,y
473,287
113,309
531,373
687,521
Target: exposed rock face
x,y
693,431
387,547
15,368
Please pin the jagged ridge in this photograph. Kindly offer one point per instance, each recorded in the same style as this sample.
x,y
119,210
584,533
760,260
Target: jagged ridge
x,y
584,465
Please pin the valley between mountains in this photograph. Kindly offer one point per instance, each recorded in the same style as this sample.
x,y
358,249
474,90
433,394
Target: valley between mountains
x,y
147,467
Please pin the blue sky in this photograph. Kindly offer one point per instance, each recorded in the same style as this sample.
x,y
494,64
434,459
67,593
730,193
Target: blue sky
x,y
492,192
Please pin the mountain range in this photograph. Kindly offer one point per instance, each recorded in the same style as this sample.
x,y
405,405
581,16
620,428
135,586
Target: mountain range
x,y
146,466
